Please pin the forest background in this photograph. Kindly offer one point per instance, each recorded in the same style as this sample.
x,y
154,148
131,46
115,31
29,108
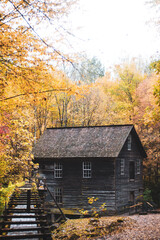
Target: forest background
x,y
42,87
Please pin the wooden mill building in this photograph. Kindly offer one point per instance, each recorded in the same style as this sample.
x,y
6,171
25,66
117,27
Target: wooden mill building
x,y
99,161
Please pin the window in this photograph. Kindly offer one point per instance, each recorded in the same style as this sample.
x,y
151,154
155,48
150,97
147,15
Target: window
x,y
58,194
129,142
138,166
131,196
58,170
43,166
122,166
86,169
131,170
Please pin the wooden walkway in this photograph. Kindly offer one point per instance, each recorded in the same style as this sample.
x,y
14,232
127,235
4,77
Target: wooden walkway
x,y
25,217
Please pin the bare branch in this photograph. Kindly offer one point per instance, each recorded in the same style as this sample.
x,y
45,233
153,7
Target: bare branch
x,y
38,92
42,40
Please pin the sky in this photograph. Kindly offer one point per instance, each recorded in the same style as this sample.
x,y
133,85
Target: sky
x,y
114,30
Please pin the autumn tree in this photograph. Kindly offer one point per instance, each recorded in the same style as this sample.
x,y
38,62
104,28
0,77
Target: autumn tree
x,y
156,67
84,110
26,72
125,90
111,111
148,129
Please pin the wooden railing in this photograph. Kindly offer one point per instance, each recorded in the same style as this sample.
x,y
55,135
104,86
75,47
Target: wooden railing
x,y
57,205
46,188
141,207
136,208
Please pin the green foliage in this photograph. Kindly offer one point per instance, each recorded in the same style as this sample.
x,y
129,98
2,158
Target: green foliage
x,y
156,67
94,212
147,195
91,69
124,92
5,194
153,192
157,92
87,70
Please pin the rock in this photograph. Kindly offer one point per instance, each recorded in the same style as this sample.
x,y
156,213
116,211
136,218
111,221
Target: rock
x,y
94,221
120,220
54,226
74,236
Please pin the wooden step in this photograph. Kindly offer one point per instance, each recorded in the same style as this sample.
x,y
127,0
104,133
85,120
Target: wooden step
x,y
25,194
24,198
25,202
29,226
24,229
26,236
24,216
22,203
23,222
23,210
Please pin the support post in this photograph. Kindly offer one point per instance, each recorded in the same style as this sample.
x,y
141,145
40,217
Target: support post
x,y
28,200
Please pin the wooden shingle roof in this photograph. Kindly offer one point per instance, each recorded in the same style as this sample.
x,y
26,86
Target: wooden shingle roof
x,y
80,142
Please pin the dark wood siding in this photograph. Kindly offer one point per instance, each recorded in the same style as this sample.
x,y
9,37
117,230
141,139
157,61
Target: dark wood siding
x,y
101,185
112,181
131,182
77,189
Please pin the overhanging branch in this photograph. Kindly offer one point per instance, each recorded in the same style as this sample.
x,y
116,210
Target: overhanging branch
x,y
38,92
41,39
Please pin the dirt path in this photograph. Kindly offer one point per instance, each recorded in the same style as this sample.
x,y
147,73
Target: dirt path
x,y
143,227
136,227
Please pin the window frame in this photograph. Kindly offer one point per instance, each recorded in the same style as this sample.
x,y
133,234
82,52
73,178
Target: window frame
x,y
58,170
87,169
129,143
132,170
132,196
138,166
58,194
122,166
43,167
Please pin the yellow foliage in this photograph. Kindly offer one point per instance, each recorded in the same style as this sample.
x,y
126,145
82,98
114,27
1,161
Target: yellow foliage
x,y
91,200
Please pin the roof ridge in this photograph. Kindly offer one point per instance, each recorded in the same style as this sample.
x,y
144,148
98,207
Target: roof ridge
x,y
116,125
93,141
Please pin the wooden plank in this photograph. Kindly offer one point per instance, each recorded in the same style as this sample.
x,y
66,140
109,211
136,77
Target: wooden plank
x,y
136,205
24,229
25,236
23,216
24,222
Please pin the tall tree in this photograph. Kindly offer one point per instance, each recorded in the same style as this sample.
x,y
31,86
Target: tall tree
x,y
87,70
26,71
147,123
156,67
125,91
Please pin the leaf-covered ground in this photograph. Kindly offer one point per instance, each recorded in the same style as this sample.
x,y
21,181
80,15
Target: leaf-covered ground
x,y
144,227
90,228
137,227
